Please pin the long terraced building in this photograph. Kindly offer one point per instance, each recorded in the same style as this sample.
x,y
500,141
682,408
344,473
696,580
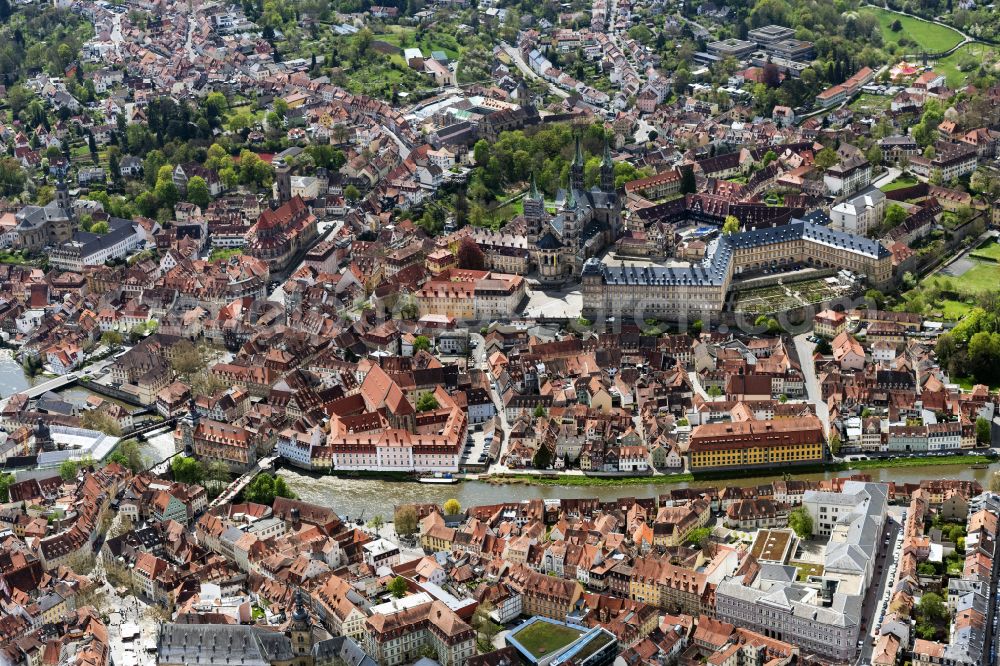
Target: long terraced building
x,y
700,289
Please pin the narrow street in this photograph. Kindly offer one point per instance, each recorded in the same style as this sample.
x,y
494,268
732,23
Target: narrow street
x,y
515,55
806,350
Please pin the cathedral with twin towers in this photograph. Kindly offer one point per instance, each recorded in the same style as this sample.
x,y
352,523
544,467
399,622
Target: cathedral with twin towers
x,y
585,221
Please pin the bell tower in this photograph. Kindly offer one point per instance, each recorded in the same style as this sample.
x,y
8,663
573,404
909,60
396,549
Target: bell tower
x,y
301,631
534,210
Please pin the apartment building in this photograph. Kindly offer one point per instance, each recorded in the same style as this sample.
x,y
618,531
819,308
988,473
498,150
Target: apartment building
x,y
860,214
823,613
471,295
398,633
829,323
544,595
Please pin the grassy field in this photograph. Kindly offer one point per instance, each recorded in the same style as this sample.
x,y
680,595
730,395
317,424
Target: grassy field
x,y
928,36
900,183
982,277
949,65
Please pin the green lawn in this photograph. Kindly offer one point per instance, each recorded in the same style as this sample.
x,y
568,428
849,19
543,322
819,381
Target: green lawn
x,y
541,637
953,310
989,251
222,254
900,183
949,65
928,36
866,102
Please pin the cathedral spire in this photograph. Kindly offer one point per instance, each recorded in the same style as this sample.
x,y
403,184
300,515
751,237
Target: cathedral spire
x,y
607,169
576,168
533,193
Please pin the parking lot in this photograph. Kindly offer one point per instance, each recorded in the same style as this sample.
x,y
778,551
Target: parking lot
x,y
476,447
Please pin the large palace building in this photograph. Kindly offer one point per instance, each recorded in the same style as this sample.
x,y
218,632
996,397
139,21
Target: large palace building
x,y
699,289
743,444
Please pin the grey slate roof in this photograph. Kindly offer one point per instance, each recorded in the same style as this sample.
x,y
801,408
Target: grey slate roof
x,y
221,645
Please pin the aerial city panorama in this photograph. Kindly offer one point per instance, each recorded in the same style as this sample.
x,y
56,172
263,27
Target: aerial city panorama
x,y
499,333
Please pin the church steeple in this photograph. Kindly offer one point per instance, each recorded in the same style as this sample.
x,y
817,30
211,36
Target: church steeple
x,y
607,169
301,628
534,210
576,169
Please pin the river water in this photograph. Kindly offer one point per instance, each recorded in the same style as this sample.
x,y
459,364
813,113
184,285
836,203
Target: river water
x,y
351,497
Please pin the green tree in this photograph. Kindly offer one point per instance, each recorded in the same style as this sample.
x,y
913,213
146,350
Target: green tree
x,y
351,193
481,152
111,338
983,431
688,183
835,444
405,520
6,481
128,454
542,458
931,608
217,476
96,419
539,412
265,487
826,158
699,537
376,523
894,216
397,587
731,225
100,228
421,343
197,192
452,507
186,469
189,358
801,522
68,470
427,402
484,625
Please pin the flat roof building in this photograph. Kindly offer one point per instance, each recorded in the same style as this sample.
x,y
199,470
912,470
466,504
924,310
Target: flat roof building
x,y
737,48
